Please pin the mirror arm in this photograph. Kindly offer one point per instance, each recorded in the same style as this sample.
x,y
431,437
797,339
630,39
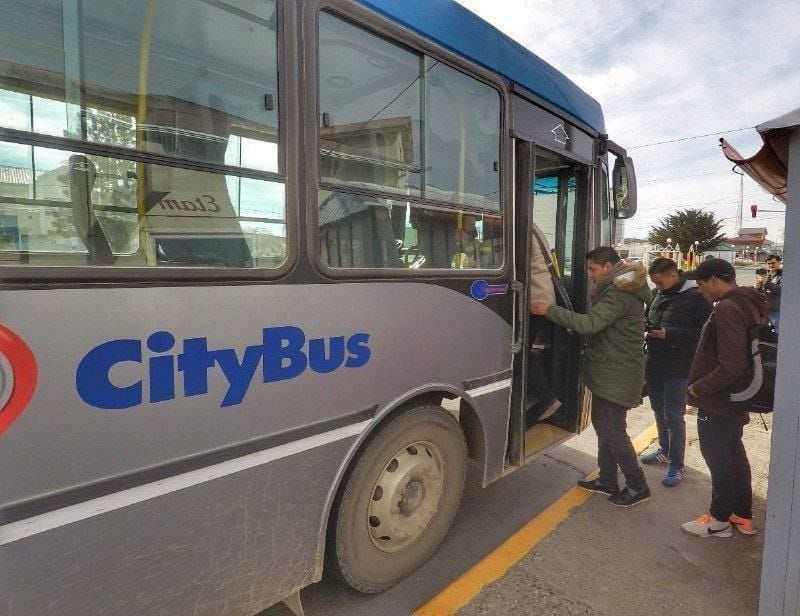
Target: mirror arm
x,y
613,147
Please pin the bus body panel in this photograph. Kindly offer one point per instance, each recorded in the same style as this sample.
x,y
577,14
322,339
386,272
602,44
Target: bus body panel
x,y
94,444
230,546
255,534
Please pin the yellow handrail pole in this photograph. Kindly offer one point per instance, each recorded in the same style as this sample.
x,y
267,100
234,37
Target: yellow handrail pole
x,y
462,172
554,259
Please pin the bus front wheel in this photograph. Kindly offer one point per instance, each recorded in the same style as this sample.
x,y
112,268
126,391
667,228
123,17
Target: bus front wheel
x,y
398,499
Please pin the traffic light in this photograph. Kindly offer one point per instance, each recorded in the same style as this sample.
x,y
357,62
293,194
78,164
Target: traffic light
x,y
753,210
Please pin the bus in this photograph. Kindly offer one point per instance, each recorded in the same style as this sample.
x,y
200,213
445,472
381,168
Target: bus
x,y
264,270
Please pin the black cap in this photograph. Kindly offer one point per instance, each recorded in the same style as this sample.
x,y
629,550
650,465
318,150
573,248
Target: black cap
x,y
718,268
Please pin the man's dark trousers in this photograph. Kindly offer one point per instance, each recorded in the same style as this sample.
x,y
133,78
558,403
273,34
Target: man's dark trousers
x,y
614,445
723,450
668,398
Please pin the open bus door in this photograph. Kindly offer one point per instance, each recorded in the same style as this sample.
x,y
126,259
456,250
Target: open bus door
x,y
554,192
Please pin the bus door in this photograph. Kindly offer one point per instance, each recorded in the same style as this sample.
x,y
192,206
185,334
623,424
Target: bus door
x,y
553,192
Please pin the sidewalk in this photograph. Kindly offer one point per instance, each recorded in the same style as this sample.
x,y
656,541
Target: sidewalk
x,y
605,560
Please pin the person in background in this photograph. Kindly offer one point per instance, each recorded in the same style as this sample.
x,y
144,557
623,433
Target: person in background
x,y
770,286
722,358
614,370
675,318
542,402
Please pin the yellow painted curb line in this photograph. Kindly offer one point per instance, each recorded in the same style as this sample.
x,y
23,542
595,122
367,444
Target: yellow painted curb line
x,y
515,548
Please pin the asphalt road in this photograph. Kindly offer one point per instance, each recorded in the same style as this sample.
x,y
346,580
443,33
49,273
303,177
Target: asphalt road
x,y
487,517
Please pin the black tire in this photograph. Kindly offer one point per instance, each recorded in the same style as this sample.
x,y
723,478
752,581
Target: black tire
x,y
352,554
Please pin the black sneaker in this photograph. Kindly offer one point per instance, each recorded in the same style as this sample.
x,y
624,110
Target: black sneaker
x,y
626,498
594,485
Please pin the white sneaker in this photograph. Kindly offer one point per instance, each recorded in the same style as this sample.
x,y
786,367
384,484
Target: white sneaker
x,y
707,526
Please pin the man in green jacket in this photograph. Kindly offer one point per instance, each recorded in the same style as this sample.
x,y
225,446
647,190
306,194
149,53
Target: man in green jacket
x,y
614,370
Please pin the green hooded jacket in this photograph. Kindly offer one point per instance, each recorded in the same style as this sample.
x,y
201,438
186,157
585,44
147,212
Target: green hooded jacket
x,y
614,368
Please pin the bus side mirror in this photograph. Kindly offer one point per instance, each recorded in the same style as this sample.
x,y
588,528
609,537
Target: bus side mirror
x,y
624,182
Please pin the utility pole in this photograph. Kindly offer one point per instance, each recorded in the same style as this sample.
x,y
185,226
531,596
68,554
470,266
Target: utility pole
x,y
741,203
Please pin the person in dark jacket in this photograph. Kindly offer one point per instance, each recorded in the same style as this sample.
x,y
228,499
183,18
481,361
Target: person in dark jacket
x,y
771,287
723,357
675,317
614,369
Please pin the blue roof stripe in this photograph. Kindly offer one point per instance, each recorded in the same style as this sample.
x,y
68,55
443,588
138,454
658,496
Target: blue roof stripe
x,y
453,26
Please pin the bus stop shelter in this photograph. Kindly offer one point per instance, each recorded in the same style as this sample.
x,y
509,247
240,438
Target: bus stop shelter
x,y
776,167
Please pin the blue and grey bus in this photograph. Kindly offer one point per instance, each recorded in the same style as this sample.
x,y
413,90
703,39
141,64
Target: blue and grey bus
x,y
264,270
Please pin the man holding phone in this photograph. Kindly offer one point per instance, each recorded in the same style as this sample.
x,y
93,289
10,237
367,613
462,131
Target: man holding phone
x,y
674,320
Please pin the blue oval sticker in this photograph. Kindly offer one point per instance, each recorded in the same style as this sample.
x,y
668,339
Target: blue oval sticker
x,y
481,289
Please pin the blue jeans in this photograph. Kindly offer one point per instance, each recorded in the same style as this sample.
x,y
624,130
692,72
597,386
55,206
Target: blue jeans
x,y
668,399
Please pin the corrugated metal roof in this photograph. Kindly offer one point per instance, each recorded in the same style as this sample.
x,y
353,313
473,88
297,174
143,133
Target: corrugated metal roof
x,y
338,206
453,26
15,175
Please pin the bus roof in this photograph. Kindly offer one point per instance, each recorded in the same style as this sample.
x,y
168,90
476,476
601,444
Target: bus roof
x,y
453,26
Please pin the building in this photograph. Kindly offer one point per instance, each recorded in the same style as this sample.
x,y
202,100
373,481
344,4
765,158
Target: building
x,y
633,247
752,243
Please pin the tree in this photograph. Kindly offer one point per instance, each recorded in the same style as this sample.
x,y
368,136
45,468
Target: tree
x,y
687,227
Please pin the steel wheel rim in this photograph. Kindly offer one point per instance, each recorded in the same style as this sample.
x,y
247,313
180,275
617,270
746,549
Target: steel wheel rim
x,y
406,496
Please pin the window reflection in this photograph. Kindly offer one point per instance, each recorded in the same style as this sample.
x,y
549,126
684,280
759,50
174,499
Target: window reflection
x,y
370,101
61,208
80,74
395,120
365,232
189,79
462,138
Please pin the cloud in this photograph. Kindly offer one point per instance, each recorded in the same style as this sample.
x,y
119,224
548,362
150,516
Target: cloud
x,y
666,70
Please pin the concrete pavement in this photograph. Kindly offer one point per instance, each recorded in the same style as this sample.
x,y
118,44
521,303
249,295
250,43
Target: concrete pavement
x,y
601,560
609,561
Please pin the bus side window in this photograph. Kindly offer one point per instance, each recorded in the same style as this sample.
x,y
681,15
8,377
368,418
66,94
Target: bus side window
x,y
462,138
360,232
175,78
387,124
370,102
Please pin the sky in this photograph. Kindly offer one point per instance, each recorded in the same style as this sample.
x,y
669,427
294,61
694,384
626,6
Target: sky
x,y
665,70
